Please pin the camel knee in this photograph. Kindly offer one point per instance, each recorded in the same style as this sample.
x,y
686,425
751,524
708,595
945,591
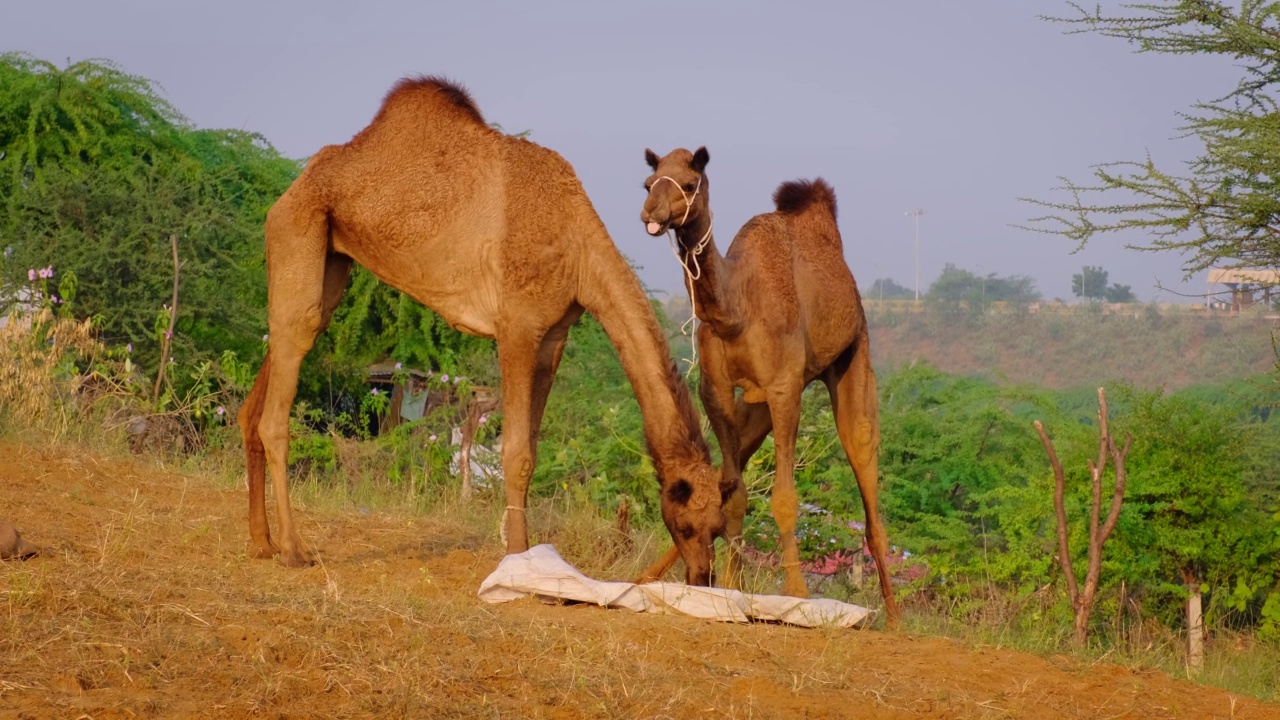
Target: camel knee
x,y
785,507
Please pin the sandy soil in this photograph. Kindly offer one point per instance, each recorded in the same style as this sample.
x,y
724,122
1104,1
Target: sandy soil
x,y
144,605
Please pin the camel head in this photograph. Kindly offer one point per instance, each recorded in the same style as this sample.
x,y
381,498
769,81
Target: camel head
x,y
677,190
692,512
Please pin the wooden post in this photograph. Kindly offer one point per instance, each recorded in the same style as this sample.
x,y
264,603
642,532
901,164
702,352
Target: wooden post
x,y
1195,627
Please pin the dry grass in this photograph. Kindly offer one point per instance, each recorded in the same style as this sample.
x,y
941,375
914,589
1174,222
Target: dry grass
x,y
31,349
146,606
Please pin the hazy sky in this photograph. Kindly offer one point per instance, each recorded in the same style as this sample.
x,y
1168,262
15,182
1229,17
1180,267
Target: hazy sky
x,y
954,107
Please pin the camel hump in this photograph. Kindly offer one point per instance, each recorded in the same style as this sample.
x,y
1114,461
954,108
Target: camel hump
x,y
796,196
448,90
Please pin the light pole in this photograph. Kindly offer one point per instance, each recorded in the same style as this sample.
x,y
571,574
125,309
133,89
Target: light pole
x,y
916,214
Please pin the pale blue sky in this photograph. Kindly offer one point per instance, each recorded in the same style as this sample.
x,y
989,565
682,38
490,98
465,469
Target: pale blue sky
x,y
954,107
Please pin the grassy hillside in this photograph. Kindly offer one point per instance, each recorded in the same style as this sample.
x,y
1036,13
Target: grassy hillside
x,y
1063,346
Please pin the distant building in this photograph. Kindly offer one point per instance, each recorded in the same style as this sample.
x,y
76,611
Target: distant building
x,y
1237,289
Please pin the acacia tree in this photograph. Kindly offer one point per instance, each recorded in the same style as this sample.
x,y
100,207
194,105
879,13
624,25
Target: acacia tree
x,y
1224,207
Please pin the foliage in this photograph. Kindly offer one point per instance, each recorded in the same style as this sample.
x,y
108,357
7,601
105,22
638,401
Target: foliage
x,y
100,171
887,289
957,289
1091,283
1191,517
1225,208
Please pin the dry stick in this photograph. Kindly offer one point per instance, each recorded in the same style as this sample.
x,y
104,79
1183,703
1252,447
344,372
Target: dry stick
x,y
173,321
1064,548
1082,604
469,426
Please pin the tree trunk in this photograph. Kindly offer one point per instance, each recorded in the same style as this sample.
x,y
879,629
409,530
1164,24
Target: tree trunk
x,y
1083,611
1195,628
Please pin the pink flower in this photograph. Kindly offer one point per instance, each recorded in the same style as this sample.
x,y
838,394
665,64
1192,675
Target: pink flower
x,y
457,380
31,275
374,391
432,438
484,419
128,347
444,378
398,366
221,410
168,334
48,272
264,338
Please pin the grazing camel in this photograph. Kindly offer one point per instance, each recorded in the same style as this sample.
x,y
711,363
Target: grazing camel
x,y
495,234
778,312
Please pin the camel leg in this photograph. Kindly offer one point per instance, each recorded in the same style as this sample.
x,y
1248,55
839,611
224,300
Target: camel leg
x,y
518,364
261,547
528,368
305,289
549,354
784,408
753,425
655,571
856,409
716,392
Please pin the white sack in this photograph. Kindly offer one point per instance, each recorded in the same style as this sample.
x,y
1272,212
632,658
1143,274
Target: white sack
x,y
542,572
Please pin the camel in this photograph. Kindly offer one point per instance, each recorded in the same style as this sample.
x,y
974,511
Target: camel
x,y
778,312
496,235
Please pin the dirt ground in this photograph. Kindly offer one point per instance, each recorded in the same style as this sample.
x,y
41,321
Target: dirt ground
x,y
145,605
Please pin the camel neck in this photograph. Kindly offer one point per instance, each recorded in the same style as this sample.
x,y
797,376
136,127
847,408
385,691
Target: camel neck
x,y
707,277
610,291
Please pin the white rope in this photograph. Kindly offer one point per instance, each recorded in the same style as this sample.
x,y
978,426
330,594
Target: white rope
x,y
690,326
502,524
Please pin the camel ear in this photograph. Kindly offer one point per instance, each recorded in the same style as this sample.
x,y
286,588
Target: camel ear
x,y
700,159
651,157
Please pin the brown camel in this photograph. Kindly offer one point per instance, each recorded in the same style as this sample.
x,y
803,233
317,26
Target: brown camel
x,y
778,312
496,235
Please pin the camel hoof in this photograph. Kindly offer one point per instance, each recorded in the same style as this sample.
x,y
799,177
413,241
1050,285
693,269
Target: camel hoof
x,y
797,591
295,560
893,621
261,552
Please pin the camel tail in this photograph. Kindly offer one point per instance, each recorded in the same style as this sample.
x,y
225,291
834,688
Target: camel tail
x,y
797,196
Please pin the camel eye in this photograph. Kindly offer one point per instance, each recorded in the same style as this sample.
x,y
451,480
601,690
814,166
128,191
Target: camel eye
x,y
687,532
690,187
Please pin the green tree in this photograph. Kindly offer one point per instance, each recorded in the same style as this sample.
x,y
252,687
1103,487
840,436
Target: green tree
x,y
1194,526
887,289
99,171
1120,294
956,286
1090,283
1224,209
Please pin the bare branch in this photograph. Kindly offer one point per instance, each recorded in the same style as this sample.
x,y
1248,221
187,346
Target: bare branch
x,y
1064,547
1117,458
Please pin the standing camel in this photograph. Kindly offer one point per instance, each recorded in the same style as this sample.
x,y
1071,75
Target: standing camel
x,y
496,235
778,312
